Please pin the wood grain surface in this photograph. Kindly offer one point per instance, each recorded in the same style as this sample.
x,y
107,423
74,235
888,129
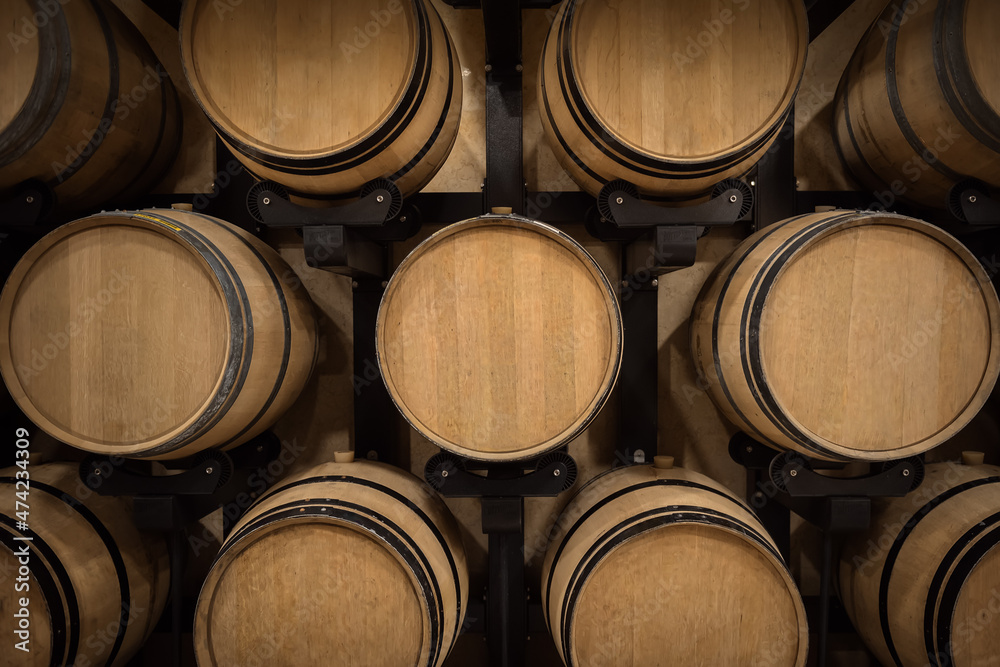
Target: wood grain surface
x,y
499,338
849,335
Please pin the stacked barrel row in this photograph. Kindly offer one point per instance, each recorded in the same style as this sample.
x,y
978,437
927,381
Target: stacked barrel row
x,y
158,334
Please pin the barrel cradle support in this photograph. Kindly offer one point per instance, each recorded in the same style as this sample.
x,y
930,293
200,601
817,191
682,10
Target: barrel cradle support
x,y
352,239
508,617
166,504
780,483
27,206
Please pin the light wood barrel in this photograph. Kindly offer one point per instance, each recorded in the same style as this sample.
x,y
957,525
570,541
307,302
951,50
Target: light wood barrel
x,y
671,96
848,335
349,563
324,97
87,108
94,584
499,338
663,566
154,334
918,108
922,586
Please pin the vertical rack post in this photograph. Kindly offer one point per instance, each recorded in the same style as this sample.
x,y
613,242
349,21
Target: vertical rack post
x,y
504,185
507,624
375,423
639,376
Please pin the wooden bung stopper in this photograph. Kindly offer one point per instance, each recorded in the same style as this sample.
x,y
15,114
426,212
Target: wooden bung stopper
x,y
663,462
973,458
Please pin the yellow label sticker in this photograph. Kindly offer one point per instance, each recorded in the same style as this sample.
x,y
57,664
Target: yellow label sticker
x,y
158,221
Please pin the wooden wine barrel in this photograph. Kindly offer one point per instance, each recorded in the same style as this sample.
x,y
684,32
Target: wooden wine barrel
x,y
94,585
348,564
918,108
848,335
922,586
154,334
633,577
325,97
499,338
673,96
87,108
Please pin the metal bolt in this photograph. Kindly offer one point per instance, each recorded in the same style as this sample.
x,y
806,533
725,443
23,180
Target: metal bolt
x,y
489,68
385,283
29,199
906,472
733,198
749,449
266,201
444,473
97,471
759,495
972,199
620,201
260,448
372,455
624,283
656,282
519,67
556,472
793,473
354,284
209,470
402,219
380,199
753,184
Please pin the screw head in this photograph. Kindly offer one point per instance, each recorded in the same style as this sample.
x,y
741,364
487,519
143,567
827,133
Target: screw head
x,y
972,199
97,472
753,184
556,472
354,284
733,198
209,470
385,283
29,199
402,219
519,67
489,68
444,473
793,473
620,201
749,449
380,199
624,283
656,282
906,472
266,201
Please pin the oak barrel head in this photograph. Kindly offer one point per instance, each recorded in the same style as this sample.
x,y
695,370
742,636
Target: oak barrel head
x,y
673,97
849,335
499,338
